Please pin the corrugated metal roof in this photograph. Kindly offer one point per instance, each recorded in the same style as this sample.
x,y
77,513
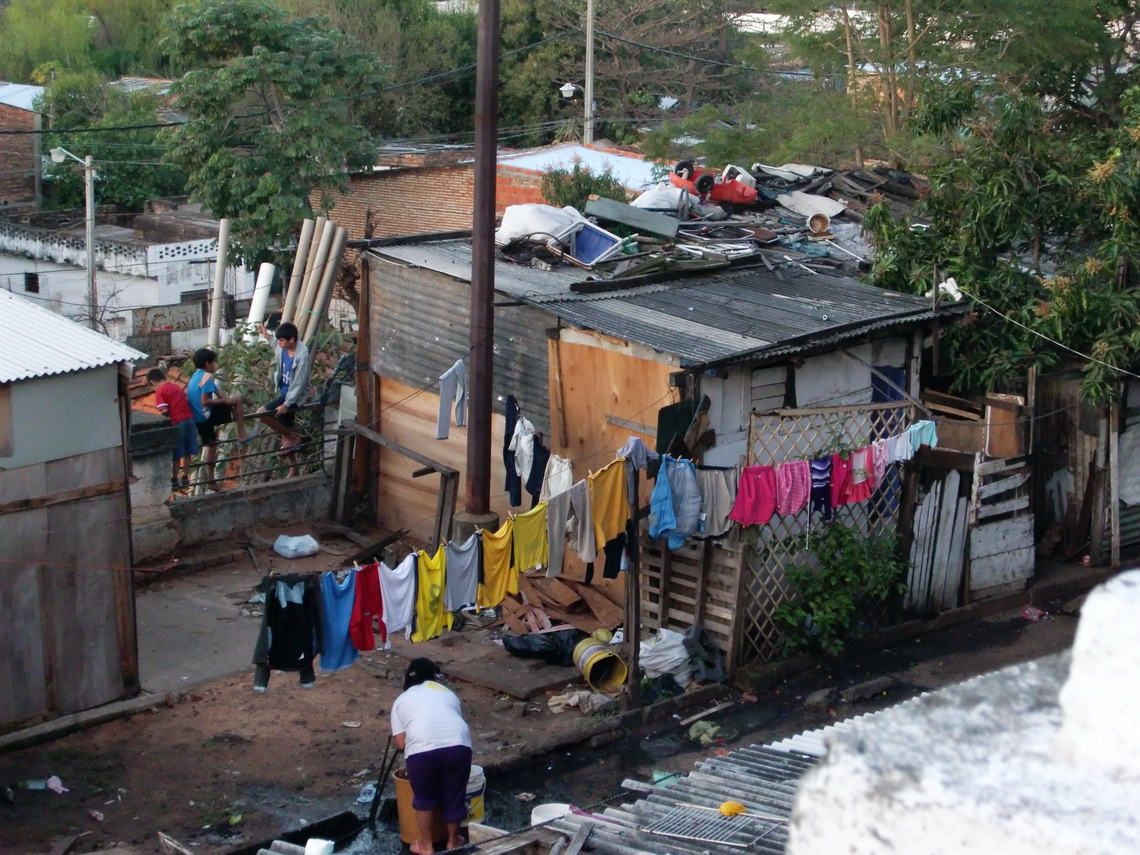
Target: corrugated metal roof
x,y
20,95
422,327
717,316
763,780
36,342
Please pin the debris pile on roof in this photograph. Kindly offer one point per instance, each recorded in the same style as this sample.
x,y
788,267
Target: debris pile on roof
x,y
795,214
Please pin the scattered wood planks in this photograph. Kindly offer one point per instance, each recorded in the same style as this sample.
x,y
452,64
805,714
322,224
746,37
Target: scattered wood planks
x,y
541,600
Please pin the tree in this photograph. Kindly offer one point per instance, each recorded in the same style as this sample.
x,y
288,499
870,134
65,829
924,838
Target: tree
x,y
645,50
1036,213
271,110
129,164
113,37
419,41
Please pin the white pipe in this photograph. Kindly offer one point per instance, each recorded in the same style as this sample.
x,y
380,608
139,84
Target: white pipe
x,y
219,283
313,279
297,276
324,296
257,305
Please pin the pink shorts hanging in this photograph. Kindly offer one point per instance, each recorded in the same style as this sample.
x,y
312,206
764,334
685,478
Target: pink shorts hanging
x,y
793,484
755,497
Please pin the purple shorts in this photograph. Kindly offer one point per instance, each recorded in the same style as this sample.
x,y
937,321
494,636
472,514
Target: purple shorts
x,y
439,780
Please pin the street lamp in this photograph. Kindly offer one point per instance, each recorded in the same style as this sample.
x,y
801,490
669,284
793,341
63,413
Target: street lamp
x,y
58,155
567,89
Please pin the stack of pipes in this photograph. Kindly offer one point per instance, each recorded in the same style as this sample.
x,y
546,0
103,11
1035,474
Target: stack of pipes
x,y
319,250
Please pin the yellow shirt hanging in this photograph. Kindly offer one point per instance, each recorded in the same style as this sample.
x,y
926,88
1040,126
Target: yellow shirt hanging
x,y
608,502
499,575
431,617
531,546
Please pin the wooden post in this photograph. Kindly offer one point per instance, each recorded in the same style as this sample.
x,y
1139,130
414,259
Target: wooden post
x,y
557,400
1114,479
364,454
633,606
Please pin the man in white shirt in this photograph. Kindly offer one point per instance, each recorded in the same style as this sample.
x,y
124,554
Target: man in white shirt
x,y
428,727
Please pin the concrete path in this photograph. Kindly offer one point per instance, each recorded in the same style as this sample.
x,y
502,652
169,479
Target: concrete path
x,y
191,628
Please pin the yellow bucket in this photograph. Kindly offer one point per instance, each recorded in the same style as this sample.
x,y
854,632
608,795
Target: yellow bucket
x,y
603,669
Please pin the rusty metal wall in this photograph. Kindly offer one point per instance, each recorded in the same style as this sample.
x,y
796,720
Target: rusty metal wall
x,y
419,324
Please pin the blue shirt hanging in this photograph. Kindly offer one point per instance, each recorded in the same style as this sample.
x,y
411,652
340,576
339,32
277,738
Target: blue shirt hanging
x,y
336,614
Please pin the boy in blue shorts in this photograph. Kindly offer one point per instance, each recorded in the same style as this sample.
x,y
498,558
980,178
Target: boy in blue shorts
x,y
212,409
171,400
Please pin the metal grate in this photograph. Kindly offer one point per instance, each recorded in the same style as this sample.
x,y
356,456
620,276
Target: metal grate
x,y
797,435
709,826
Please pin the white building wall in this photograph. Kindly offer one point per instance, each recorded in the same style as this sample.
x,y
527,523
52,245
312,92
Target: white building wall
x,y
63,415
128,275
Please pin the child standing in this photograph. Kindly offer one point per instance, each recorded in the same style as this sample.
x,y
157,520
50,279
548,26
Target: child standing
x,y
212,409
171,400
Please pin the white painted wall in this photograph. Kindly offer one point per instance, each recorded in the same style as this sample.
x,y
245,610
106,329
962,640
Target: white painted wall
x,y
1006,763
63,415
129,275
728,415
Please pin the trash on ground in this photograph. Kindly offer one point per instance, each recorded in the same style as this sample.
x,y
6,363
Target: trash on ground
x,y
525,797
96,815
367,794
1033,613
296,547
56,785
351,724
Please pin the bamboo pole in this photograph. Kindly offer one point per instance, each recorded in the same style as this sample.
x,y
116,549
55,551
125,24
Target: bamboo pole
x,y
297,274
324,295
313,278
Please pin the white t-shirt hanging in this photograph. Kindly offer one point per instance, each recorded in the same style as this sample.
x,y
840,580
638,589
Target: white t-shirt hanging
x,y
429,717
398,592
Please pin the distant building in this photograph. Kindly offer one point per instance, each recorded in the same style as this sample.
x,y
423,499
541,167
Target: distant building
x,y
20,162
165,258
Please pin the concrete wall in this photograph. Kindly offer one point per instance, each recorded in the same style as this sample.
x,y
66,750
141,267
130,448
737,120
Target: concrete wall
x,y
205,519
64,415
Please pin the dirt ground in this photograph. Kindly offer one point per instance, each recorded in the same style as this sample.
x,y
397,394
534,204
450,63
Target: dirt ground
x,y
223,765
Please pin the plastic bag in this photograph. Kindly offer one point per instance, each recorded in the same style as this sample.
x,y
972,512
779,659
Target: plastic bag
x,y
538,223
557,648
296,547
665,653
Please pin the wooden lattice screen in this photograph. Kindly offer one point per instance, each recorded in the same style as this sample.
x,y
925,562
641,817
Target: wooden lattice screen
x,y
786,435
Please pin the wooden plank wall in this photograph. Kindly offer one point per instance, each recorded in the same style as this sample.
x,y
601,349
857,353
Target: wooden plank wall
x,y
1001,535
409,418
66,593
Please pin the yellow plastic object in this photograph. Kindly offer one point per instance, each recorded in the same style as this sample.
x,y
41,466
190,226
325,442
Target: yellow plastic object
x,y
733,808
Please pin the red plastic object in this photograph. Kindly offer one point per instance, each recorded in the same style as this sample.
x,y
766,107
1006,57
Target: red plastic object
x,y
734,192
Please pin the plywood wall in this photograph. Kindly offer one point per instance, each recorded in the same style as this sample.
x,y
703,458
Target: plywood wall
x,y
408,416
592,387
66,597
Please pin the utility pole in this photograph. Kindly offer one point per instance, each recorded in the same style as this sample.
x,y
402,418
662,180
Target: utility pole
x,y
58,155
477,499
588,130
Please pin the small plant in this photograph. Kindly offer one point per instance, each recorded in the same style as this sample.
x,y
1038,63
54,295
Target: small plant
x,y
574,186
845,572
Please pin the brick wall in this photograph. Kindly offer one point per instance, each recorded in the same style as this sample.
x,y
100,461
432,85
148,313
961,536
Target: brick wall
x,y
17,156
421,201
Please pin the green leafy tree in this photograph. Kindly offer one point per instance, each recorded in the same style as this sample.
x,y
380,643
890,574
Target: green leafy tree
x,y
420,43
574,186
129,164
33,32
1035,214
271,110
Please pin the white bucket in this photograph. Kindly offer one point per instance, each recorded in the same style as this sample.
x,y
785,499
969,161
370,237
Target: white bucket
x,y
547,812
476,789
819,223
